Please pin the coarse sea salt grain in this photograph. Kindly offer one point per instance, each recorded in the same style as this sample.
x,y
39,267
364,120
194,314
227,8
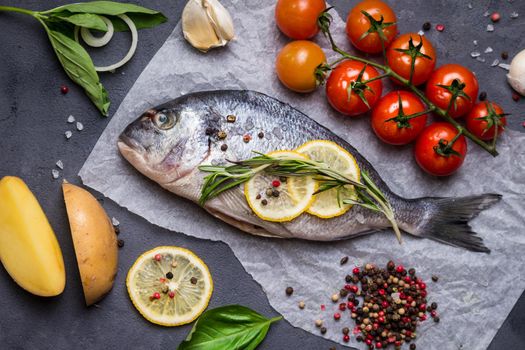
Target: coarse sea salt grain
x,y
59,164
55,173
68,134
470,6
475,42
495,63
481,59
514,15
475,54
80,127
421,32
504,66
490,28
489,50
70,119
486,14
115,222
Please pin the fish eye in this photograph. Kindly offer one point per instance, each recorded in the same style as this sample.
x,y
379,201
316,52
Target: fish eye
x,y
164,120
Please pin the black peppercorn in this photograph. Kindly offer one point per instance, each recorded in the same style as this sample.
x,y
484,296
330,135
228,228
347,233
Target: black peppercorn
x,y
289,290
224,147
412,346
434,306
260,135
427,26
505,55
193,280
169,275
348,278
323,330
483,96
120,243
435,278
346,330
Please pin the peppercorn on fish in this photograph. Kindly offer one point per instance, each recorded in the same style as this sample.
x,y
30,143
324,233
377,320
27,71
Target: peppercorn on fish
x,y
168,143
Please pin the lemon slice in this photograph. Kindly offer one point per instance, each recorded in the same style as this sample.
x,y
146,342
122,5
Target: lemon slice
x,y
169,286
270,196
326,204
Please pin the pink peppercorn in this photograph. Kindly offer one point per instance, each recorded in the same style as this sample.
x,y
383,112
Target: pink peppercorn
x,y
337,316
64,89
440,27
276,183
346,338
355,271
495,17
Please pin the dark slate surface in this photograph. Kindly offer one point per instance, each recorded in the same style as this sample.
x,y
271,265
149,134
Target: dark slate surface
x,y
33,116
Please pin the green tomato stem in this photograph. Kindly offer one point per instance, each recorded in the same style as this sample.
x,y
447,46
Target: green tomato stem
x,y
388,72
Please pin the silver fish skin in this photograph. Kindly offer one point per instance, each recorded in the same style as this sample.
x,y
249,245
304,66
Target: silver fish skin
x,y
169,142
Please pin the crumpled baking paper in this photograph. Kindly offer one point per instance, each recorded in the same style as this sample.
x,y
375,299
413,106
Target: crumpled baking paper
x,y
475,291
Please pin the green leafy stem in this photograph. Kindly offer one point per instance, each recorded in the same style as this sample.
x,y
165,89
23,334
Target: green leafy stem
x,y
59,24
224,178
324,22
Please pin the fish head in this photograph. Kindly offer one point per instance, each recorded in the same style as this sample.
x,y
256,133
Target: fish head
x,y
165,143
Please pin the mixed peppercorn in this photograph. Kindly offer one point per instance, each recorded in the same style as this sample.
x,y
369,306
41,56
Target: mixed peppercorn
x,y
387,304
394,301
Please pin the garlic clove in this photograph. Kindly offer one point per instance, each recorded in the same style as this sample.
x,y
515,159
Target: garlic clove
x,y
206,24
516,75
221,20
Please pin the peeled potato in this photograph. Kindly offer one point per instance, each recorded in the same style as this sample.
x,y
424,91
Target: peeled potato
x,y
29,249
94,240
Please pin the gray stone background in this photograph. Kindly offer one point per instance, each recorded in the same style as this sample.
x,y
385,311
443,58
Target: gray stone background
x,y
33,116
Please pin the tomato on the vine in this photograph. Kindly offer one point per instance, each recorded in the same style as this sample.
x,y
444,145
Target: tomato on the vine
x,y
398,117
450,80
408,48
435,152
347,88
486,120
296,65
297,19
360,28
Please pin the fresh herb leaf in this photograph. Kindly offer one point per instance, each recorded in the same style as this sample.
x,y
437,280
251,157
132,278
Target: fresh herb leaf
x,y
141,20
109,8
79,67
232,327
86,20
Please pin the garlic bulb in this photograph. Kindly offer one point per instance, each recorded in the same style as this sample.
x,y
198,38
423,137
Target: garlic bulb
x,y
516,76
206,24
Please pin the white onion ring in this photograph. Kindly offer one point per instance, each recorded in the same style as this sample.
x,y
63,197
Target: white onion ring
x,y
93,41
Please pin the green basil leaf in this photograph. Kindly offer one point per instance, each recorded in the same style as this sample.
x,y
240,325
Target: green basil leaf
x,y
79,67
232,327
87,20
141,20
109,8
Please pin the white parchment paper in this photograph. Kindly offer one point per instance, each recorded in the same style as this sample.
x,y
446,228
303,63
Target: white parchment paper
x,y
475,292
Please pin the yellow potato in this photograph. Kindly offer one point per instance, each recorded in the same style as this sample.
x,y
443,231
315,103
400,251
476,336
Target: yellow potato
x,y
29,249
94,240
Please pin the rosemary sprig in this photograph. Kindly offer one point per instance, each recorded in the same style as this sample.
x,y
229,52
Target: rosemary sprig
x,y
224,178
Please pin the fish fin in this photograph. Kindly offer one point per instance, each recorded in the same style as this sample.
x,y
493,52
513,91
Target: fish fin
x,y
449,218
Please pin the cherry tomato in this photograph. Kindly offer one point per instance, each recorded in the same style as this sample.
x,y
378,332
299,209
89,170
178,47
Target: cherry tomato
x,y
483,120
357,24
343,77
296,64
434,140
450,75
403,129
401,62
297,19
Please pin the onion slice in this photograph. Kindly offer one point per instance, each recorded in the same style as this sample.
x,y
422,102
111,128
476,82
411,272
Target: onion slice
x,y
94,41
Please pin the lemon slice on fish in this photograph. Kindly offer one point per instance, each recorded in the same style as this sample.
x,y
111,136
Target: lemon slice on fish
x,y
270,196
169,286
326,204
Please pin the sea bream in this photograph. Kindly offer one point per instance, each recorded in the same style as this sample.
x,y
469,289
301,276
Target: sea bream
x,y
168,143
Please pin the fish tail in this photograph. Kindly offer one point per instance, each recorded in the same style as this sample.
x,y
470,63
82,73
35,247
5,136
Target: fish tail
x,y
447,220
